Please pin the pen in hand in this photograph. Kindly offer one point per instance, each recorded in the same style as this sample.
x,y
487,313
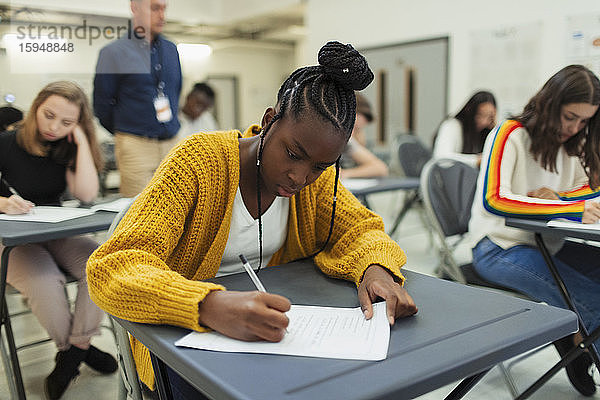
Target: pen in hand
x,y
10,188
23,206
252,274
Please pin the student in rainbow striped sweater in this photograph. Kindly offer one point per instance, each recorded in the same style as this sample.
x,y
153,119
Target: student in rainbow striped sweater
x,y
544,164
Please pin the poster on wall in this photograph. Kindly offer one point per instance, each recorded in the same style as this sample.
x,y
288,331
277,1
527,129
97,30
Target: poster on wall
x,y
583,41
506,61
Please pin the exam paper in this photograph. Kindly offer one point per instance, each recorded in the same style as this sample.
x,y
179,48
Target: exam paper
x,y
114,206
358,183
327,332
565,223
58,214
48,214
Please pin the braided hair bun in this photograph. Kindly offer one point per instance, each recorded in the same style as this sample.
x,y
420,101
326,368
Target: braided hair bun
x,y
345,65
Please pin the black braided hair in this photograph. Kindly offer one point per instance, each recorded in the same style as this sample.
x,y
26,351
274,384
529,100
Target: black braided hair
x,y
325,90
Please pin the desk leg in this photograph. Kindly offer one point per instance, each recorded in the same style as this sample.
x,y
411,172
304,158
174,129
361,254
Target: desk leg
x,y
466,385
570,356
15,373
161,378
408,203
565,294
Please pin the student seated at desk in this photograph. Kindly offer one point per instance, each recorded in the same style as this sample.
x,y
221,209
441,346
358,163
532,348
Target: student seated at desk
x,y
9,117
55,148
462,136
195,115
357,161
271,193
544,164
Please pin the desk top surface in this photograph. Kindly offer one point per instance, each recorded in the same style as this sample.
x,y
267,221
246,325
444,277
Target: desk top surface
x,y
386,184
458,331
541,227
13,233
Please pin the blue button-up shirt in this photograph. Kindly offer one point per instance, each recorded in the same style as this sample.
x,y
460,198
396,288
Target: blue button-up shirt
x,y
126,84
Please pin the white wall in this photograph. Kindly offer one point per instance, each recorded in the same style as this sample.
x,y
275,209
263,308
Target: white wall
x,y
242,9
377,22
189,11
260,71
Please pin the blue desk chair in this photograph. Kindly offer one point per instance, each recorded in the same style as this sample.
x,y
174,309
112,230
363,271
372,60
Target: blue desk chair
x,y
448,188
412,156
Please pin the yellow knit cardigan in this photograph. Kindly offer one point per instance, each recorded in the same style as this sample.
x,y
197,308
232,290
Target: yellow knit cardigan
x,y
151,270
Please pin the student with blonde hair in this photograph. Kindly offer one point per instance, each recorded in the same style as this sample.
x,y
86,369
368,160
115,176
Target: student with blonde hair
x,y
55,149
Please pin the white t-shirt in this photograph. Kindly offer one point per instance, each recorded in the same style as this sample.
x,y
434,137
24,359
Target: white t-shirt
x,y
449,143
243,234
204,123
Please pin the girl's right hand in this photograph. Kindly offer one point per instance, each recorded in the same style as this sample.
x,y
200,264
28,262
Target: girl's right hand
x,y
249,316
591,212
15,205
77,136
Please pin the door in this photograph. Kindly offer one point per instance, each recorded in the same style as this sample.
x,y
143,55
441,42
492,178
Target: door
x,y
409,91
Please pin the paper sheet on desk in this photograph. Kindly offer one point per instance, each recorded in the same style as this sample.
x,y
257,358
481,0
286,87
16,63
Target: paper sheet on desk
x,y
358,183
326,332
48,214
565,223
114,206
58,214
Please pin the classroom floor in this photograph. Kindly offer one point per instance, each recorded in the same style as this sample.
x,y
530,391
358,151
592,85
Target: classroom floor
x,y
37,362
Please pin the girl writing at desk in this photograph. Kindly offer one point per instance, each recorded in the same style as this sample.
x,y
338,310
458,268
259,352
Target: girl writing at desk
x,y
544,164
272,194
53,150
462,137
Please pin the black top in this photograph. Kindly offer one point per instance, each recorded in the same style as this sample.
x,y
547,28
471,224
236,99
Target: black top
x,y
37,179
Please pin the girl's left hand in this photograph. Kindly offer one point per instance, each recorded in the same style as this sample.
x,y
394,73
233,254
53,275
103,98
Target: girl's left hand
x,y
378,282
77,136
543,193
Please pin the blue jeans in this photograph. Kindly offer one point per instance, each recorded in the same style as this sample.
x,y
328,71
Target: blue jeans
x,y
180,389
523,269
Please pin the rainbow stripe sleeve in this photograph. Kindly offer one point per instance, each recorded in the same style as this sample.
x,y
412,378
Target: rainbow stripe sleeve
x,y
507,204
580,193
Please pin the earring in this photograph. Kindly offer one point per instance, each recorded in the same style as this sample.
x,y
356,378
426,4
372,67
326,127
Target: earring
x,y
260,147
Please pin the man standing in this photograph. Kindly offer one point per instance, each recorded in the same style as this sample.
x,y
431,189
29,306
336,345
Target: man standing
x,y
136,95
195,115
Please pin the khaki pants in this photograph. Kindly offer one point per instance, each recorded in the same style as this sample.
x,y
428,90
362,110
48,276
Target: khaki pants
x,y
137,158
38,272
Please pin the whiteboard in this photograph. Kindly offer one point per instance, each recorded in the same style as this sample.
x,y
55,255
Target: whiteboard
x,y
583,41
507,61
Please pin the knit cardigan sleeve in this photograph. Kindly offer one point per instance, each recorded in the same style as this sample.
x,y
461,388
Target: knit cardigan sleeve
x,y
357,241
149,270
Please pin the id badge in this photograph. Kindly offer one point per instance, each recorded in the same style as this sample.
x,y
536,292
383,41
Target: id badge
x,y
163,108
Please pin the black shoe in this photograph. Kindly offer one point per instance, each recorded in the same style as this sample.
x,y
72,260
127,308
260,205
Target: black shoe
x,y
65,370
100,361
578,369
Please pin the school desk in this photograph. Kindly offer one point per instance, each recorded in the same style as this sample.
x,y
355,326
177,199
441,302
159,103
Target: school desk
x,y
539,228
459,332
387,184
15,233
